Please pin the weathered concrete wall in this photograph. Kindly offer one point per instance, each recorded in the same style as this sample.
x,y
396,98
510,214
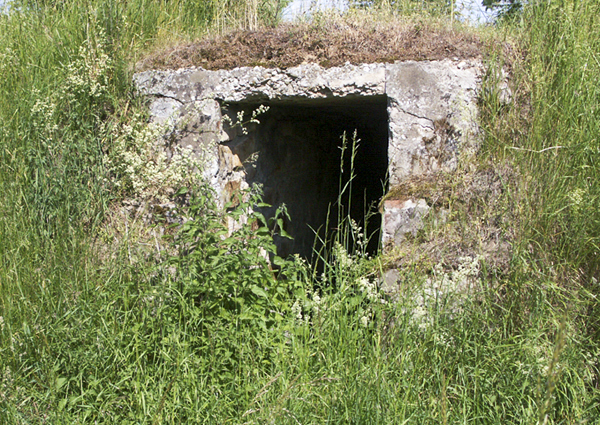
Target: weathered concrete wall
x,y
433,114
431,118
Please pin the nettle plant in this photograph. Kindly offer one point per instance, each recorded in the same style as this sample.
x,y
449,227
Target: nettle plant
x,y
228,287
231,277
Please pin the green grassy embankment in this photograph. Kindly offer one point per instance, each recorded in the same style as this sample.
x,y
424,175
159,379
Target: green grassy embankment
x,y
97,327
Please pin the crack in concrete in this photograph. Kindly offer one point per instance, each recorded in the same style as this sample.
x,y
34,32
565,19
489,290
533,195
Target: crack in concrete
x,y
166,96
415,115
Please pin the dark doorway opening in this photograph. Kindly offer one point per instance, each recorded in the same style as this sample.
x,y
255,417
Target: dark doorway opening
x,y
295,154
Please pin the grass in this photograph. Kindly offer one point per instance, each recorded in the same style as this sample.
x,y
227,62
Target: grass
x,y
196,333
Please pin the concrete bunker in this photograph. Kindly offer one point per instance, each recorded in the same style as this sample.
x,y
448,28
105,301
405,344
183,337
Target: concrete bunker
x,y
413,118
295,155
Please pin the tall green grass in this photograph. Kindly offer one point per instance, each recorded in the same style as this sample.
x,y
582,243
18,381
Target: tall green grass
x,y
213,336
551,134
565,48
556,139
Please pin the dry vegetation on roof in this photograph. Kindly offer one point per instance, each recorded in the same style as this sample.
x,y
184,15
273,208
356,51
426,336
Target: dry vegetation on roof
x,y
329,43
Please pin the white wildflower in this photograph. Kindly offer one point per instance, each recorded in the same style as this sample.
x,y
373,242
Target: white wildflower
x,y
297,311
316,304
421,318
369,289
577,198
344,260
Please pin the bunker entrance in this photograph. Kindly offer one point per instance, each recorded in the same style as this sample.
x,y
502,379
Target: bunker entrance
x,y
295,154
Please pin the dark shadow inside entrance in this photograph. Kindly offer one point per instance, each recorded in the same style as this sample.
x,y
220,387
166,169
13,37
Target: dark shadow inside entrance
x,y
295,154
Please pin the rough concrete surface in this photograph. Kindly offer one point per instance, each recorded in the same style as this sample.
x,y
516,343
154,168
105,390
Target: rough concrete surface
x,y
401,218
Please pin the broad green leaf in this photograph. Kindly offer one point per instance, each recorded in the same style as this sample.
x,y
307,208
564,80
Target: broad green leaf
x,y
60,382
259,291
